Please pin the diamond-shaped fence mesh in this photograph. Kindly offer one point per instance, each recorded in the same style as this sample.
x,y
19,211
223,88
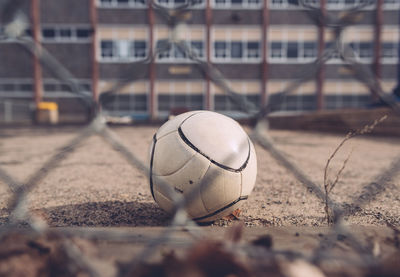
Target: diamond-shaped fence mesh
x,y
15,22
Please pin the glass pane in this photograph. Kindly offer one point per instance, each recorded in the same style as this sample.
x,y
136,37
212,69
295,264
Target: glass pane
x,y
82,33
48,33
107,48
292,50
197,46
236,49
26,87
220,49
65,33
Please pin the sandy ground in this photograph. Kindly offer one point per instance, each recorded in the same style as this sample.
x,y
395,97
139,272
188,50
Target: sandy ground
x,y
95,186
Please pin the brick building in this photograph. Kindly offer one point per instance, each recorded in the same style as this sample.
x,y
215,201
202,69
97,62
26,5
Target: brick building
x,y
259,46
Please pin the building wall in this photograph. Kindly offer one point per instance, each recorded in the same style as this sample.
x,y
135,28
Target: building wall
x,y
236,44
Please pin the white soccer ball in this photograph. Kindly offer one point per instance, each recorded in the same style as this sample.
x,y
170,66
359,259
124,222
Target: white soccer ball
x,y
206,155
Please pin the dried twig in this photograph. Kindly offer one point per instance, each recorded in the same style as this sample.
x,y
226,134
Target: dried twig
x,y
329,185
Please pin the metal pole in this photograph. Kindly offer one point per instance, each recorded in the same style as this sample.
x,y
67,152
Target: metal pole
x,y
321,47
37,68
152,73
208,13
397,89
377,44
95,65
264,77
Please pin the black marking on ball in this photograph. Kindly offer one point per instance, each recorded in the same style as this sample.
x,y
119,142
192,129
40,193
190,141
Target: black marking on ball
x,y
178,190
189,143
223,208
151,165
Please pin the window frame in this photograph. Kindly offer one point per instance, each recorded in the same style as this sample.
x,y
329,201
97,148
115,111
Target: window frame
x,y
171,4
190,93
339,5
119,46
115,4
58,37
246,4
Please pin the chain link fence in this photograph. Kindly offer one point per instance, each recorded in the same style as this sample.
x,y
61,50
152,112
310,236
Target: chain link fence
x,y
73,256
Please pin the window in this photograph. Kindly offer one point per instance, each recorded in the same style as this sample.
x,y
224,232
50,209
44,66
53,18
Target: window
x,y
301,51
177,3
54,87
292,51
107,49
82,33
123,50
237,50
333,4
122,3
279,4
249,4
224,102
248,93
179,94
198,48
253,49
138,49
332,46
276,50
391,4
310,49
66,34
168,102
174,52
390,51
129,102
221,50
363,50
48,33
15,87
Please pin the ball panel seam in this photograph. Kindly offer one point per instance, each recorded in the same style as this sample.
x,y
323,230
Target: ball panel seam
x,y
241,198
189,143
151,165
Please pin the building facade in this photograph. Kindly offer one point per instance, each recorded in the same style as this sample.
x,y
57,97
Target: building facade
x,y
257,47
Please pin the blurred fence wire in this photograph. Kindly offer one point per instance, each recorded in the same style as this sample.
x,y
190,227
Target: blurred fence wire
x,y
16,23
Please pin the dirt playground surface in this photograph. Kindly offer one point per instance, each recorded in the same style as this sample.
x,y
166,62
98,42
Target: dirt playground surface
x,y
95,186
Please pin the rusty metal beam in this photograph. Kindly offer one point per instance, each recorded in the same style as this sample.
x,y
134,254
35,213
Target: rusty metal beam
x,y
377,43
264,77
37,68
208,13
321,48
152,69
95,65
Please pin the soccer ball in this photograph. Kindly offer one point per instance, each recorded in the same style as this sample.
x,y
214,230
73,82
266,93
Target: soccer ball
x,y
205,155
